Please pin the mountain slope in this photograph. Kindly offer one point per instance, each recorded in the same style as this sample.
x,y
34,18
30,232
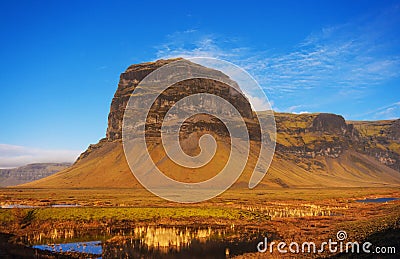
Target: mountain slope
x,y
106,166
312,150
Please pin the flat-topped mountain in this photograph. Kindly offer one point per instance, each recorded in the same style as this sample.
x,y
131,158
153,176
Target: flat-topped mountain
x,y
130,79
312,150
29,173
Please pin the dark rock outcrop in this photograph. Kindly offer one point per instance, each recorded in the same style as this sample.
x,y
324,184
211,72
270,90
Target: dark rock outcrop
x,y
329,123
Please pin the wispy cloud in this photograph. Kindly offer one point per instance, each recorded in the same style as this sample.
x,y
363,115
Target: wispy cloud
x,y
258,104
345,60
14,156
387,112
193,43
344,57
334,57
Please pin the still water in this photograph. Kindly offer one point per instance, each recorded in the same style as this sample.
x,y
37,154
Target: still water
x,y
378,200
151,242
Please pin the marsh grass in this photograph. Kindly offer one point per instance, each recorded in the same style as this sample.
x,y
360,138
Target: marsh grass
x,y
117,213
299,210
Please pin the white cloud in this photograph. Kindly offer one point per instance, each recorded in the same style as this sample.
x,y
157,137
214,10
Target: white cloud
x,y
301,112
343,63
293,108
258,104
328,61
387,112
192,43
346,56
14,156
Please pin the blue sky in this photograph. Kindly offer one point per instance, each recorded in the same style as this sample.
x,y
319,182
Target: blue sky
x,y
61,60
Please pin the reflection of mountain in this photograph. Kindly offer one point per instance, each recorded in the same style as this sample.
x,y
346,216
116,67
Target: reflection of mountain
x,y
166,239
313,150
29,173
149,241
159,242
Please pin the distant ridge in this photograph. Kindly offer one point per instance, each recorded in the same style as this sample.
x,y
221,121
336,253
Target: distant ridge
x,y
30,172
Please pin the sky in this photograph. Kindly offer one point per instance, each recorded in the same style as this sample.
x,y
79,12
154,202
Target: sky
x,y
61,60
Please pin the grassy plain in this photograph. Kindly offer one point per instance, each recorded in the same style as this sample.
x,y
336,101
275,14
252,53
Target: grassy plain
x,y
291,214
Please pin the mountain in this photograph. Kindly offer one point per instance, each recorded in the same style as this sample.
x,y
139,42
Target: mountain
x,y
29,173
312,150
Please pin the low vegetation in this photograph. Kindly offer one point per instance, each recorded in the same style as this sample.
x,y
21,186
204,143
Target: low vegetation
x,y
24,216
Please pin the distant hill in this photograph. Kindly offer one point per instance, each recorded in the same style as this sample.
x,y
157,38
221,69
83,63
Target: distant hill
x,y
312,150
29,173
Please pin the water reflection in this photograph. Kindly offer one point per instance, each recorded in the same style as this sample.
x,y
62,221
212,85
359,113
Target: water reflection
x,y
151,242
88,248
173,237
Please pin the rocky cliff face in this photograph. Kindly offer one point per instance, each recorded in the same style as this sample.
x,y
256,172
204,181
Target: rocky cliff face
x,y
307,136
300,138
130,79
127,84
381,140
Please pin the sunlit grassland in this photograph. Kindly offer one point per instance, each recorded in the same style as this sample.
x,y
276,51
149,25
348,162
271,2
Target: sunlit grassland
x,y
142,198
140,205
133,214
